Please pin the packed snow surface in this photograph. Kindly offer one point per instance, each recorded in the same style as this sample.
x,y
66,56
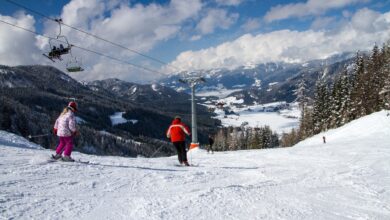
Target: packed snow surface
x,y
346,178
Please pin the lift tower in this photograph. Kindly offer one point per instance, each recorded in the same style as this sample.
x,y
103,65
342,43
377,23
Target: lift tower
x,y
192,81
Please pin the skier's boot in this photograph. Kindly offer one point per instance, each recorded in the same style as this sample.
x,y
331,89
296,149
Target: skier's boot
x,y
186,163
67,159
56,157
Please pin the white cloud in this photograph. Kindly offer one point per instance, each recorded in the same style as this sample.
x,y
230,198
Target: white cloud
x,y
322,22
80,12
292,46
117,70
229,2
216,18
195,37
136,26
251,24
17,46
346,13
367,20
311,7
139,27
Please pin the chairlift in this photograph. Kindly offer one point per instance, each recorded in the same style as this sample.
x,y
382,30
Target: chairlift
x,y
74,65
57,48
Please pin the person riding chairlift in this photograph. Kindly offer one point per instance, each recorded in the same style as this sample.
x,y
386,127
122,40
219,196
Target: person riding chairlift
x,y
61,48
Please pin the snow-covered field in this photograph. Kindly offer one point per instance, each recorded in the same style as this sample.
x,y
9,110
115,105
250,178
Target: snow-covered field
x,y
118,118
257,116
220,92
347,178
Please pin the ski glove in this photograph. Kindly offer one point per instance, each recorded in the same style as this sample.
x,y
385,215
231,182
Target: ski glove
x,y
76,133
55,131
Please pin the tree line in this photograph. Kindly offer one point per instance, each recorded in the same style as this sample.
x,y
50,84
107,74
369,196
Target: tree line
x,y
361,89
245,138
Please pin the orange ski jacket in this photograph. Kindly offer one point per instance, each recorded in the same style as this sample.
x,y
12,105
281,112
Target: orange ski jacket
x,y
178,131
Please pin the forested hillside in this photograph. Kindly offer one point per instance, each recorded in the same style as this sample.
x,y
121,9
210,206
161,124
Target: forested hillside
x,y
31,98
359,90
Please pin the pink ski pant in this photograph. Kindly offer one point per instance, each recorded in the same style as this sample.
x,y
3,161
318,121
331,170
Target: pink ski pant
x,y
67,143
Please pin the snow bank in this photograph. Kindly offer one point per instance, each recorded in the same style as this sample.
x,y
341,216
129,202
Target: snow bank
x,y
13,140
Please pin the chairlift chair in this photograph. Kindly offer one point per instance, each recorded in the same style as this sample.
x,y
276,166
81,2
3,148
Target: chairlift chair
x,y
74,65
57,47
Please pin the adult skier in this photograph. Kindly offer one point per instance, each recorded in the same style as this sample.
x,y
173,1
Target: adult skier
x,y
177,133
211,142
65,129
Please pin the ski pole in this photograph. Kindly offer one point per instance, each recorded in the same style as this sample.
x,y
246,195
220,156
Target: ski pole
x,y
157,151
40,135
190,157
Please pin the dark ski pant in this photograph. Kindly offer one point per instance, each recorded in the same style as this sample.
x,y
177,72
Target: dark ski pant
x,y
181,151
210,148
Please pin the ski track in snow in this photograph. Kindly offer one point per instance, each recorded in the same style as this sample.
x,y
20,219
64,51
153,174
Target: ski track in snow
x,y
347,178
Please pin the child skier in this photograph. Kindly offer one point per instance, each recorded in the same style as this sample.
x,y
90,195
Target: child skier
x,y
65,129
177,133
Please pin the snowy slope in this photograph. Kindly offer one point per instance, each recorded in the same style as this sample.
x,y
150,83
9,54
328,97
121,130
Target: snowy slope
x,y
347,178
13,140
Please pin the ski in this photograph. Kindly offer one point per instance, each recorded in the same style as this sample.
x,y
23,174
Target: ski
x,y
82,161
53,159
190,165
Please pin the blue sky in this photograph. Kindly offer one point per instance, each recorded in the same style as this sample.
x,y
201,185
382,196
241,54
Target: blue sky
x,y
196,34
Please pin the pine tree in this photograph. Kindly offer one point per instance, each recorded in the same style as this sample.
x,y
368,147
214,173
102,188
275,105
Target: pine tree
x,y
306,124
220,140
289,139
321,110
335,103
374,81
346,89
385,94
358,90
265,137
255,139
385,71
234,140
301,95
340,100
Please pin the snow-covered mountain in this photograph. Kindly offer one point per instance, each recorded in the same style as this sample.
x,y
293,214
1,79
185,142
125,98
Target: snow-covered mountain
x,y
264,83
150,95
346,178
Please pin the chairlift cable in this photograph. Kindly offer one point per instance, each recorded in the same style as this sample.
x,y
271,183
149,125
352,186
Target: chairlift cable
x,y
85,49
92,35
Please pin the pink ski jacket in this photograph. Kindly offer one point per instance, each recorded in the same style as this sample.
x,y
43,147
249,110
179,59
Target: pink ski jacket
x,y
65,125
